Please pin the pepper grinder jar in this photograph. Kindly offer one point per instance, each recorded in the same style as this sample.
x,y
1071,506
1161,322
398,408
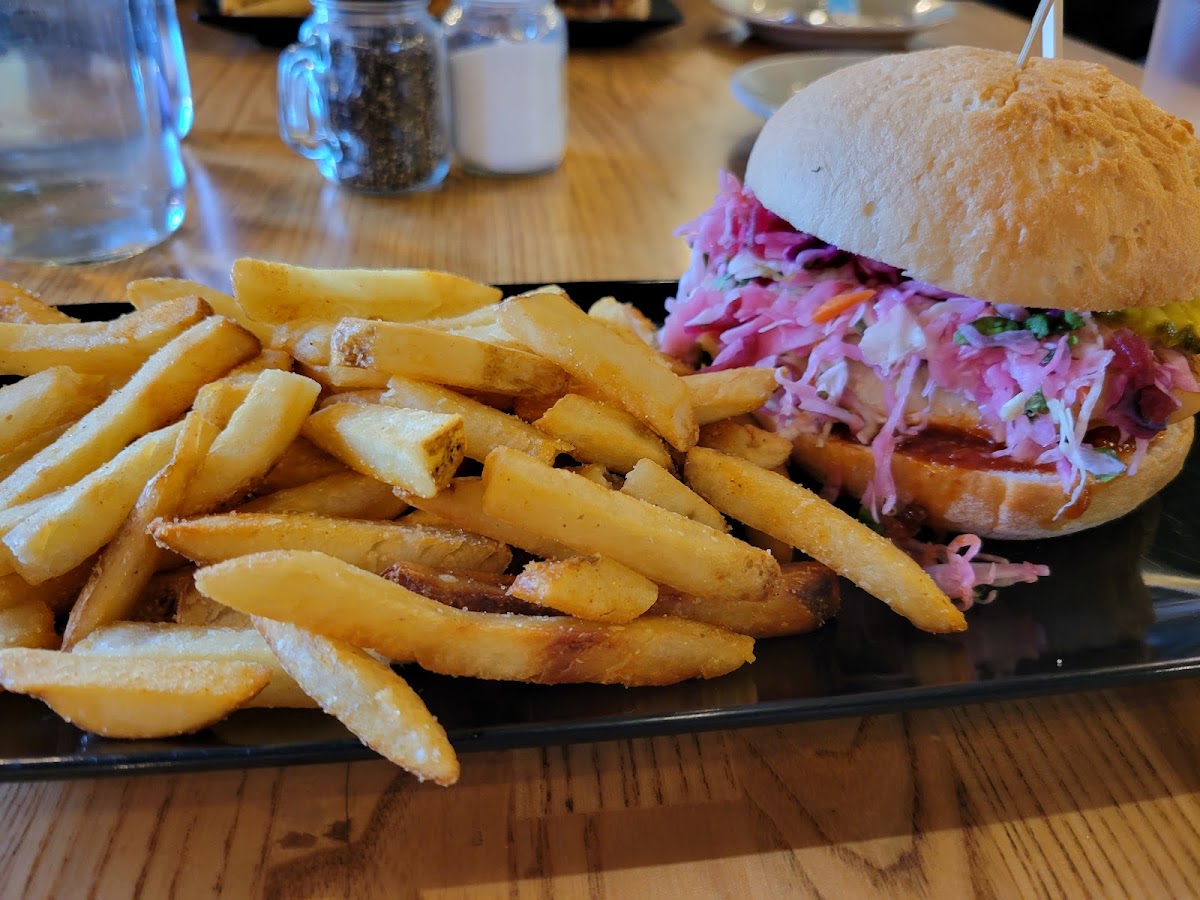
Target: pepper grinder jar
x,y
364,95
507,83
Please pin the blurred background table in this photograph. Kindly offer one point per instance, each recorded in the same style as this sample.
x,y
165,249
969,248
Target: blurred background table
x,y
1081,794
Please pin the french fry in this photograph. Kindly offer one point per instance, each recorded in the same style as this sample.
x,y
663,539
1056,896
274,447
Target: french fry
x,y
259,431
146,292
115,347
411,449
763,448
77,521
475,591
267,359
625,319
160,640
191,606
27,623
23,307
217,400
299,464
588,587
651,482
461,504
45,400
628,374
482,324
56,593
426,354
791,513
25,451
344,378
277,292
157,393
602,434
347,494
729,392
369,545
307,341
366,696
592,520
804,599
484,428
330,597
129,560
592,472
123,697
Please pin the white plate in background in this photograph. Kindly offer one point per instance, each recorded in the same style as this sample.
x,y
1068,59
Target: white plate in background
x,y
766,84
838,23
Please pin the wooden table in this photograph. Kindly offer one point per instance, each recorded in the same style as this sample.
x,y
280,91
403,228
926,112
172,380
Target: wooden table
x,y
1082,794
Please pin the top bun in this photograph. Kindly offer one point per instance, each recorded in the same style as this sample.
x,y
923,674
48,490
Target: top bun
x,y
1056,186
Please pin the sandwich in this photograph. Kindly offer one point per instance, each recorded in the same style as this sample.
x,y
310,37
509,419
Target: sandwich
x,y
978,284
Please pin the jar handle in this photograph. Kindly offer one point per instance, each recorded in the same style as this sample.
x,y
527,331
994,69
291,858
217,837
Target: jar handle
x,y
303,111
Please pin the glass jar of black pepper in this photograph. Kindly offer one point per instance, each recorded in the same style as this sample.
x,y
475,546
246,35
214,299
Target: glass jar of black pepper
x,y
363,94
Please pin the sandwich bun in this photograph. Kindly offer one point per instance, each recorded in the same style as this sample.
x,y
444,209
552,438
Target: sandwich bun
x,y
1020,503
1057,186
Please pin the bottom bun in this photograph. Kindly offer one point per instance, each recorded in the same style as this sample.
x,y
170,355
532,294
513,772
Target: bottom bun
x,y
1012,504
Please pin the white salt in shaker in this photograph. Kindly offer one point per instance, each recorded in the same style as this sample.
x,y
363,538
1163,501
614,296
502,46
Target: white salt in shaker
x,y
507,63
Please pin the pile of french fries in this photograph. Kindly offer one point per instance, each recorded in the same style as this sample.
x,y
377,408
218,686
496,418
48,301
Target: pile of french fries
x,y
270,498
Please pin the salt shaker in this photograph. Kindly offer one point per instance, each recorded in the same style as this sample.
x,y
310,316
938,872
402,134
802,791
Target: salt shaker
x,y
507,74
363,94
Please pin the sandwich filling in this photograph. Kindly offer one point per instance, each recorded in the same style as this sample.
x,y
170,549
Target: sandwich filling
x,y
881,357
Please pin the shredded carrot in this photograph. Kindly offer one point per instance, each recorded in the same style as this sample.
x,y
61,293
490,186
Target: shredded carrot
x,y
835,306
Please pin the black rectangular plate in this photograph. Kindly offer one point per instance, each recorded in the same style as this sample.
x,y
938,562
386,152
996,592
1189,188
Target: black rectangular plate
x,y
1121,606
279,31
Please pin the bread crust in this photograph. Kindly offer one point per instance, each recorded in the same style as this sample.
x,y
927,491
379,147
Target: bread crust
x,y
1018,504
1058,186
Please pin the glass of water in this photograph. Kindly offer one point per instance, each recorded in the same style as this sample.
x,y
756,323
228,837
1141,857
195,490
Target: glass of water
x,y
90,165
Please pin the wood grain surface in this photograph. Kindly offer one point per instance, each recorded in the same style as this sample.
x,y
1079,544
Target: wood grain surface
x,y
1086,794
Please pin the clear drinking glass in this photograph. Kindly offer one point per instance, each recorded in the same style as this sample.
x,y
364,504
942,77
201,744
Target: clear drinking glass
x,y
90,167
363,94
177,83
1172,74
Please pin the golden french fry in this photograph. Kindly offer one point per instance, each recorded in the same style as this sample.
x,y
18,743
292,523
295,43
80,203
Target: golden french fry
x,y
56,593
126,697
277,292
192,607
474,591
366,696
307,341
25,451
299,464
461,504
426,354
129,560
804,599
26,308
267,359
330,597
662,545
602,434
792,513
729,392
259,431
412,449
347,494
146,292
626,373
588,587
763,448
484,428
626,319
114,347
27,623
76,522
46,400
482,324
369,545
157,393
651,482
161,640
592,472
344,378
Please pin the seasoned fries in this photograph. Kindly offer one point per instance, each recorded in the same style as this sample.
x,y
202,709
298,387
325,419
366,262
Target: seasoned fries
x,y
276,292
627,372
590,519
327,596
210,493
799,517
412,449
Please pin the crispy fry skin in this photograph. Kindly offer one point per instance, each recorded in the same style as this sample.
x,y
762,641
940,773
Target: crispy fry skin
x,y
330,597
